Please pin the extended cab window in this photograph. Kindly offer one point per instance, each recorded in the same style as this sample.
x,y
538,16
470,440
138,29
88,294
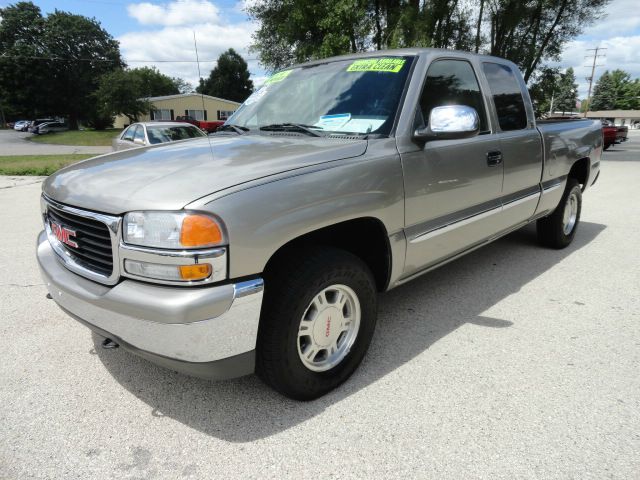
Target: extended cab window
x,y
451,82
507,96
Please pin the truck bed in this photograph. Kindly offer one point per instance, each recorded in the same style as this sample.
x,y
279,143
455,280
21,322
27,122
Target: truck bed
x,y
566,141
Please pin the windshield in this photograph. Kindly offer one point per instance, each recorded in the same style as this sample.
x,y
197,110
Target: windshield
x,y
160,134
347,96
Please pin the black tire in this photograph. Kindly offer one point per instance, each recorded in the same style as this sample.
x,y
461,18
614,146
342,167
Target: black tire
x,y
551,232
606,147
289,289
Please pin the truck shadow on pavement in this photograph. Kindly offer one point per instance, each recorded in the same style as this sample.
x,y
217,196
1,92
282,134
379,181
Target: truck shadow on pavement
x,y
411,319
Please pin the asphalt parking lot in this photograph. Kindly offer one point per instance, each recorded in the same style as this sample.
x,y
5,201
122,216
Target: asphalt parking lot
x,y
17,143
512,362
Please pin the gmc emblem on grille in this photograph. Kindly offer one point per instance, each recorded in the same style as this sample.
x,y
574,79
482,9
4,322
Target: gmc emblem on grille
x,y
63,234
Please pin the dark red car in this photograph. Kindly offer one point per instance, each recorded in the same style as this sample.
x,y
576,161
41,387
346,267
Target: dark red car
x,y
208,127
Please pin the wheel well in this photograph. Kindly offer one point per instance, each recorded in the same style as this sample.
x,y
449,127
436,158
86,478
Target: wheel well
x,y
580,171
365,238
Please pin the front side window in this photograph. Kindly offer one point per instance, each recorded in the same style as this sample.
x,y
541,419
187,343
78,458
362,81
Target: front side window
x,y
507,96
348,96
451,82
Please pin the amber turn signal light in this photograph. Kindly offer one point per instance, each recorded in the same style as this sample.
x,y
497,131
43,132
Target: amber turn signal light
x,y
195,272
199,230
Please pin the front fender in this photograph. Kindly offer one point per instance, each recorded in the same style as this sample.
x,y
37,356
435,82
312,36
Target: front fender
x,y
264,217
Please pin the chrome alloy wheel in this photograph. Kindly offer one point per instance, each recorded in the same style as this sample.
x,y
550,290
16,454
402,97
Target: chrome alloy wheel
x,y
328,328
570,213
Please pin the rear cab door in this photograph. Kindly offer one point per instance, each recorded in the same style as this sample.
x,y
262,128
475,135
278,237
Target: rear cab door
x,y
520,141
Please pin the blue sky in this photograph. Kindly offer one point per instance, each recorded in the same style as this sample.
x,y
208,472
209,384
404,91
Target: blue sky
x,y
163,30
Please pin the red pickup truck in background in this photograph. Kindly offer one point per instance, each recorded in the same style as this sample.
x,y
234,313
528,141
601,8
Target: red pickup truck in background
x,y
208,127
622,132
609,135
614,134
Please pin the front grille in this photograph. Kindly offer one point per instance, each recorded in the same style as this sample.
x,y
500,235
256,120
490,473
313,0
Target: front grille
x,y
94,251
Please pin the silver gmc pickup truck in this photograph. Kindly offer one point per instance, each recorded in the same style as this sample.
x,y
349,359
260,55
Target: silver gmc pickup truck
x,y
263,247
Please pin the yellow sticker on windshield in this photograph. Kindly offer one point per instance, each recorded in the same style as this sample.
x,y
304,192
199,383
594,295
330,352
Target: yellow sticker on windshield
x,y
391,65
278,77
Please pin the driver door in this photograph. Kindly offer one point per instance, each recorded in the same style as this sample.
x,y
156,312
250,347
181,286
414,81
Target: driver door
x,y
452,187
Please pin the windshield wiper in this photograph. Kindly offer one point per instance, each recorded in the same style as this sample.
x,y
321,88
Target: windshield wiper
x,y
293,127
240,130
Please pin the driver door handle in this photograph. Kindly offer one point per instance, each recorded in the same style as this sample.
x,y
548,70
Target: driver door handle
x,y
494,158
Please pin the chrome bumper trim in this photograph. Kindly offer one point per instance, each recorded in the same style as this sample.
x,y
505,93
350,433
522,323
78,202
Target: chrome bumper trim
x,y
192,325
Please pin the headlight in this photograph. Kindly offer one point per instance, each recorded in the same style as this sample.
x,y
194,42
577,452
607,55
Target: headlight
x,y
172,230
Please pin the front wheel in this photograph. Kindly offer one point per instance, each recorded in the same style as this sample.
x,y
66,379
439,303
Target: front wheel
x,y
558,229
317,321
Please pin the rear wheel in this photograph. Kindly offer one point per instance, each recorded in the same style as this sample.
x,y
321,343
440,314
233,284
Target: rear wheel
x,y
317,321
558,229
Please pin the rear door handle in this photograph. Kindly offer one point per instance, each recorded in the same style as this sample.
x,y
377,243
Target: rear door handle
x,y
494,158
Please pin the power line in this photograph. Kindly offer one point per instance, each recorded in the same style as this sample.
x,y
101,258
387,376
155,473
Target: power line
x,y
61,59
595,57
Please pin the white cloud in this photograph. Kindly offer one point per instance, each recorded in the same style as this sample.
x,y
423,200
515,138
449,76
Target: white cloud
x,y
622,53
622,17
619,32
172,38
180,12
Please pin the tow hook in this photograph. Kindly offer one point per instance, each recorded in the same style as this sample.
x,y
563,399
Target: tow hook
x,y
109,344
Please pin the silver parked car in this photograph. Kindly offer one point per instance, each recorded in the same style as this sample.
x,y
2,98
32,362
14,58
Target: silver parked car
x,y
51,127
21,125
152,133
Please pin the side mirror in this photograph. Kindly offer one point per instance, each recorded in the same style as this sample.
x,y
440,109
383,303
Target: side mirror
x,y
139,141
448,122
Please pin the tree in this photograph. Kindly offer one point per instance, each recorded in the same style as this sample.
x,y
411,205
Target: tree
x,y
524,31
530,31
566,94
81,51
182,85
120,93
604,97
229,79
149,82
51,66
125,91
616,90
630,96
543,89
294,31
20,44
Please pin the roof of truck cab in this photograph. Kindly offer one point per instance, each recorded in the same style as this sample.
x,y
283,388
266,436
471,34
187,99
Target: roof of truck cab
x,y
395,52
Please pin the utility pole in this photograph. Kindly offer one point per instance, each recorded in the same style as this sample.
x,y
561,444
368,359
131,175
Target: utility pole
x,y
595,56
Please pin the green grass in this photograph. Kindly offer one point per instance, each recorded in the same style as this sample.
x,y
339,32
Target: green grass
x,y
90,138
37,164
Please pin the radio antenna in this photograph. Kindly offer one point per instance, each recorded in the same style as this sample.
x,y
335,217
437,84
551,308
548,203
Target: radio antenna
x,y
195,44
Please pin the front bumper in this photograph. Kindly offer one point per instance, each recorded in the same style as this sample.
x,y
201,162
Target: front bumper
x,y
203,331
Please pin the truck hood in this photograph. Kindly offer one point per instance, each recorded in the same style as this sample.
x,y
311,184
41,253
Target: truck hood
x,y
170,176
